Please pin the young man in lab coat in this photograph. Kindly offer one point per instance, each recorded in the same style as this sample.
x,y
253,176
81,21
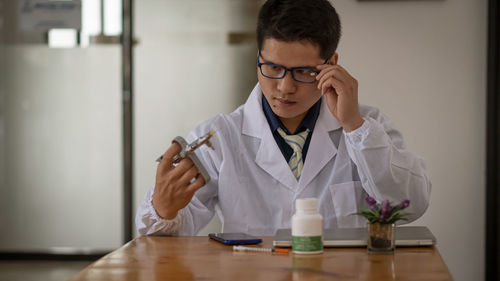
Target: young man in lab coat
x,y
346,151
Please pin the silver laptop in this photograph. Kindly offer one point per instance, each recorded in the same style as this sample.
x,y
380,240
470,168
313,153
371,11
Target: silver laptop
x,y
407,236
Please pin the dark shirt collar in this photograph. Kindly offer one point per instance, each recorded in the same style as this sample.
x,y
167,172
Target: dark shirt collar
x,y
307,123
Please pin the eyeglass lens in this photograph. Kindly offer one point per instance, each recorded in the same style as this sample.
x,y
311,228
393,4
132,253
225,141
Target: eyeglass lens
x,y
300,74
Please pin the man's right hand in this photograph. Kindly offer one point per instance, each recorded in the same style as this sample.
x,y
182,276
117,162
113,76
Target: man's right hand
x,y
174,189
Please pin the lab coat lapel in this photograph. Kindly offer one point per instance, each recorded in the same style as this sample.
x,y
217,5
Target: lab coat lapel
x,y
321,148
268,156
271,160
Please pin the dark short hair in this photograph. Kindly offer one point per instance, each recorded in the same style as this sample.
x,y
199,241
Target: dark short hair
x,y
315,21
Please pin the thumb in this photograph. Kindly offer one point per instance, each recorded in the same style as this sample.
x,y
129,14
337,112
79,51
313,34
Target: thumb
x,y
331,97
332,102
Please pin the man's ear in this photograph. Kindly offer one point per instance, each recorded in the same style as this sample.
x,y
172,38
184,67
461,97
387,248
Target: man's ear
x,y
334,59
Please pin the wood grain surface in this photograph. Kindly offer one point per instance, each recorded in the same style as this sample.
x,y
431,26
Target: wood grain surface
x,y
200,258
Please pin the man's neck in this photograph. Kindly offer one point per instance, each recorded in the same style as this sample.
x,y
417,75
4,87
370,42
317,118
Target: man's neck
x,y
291,124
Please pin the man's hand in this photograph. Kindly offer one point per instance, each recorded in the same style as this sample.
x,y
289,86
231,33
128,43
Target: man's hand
x,y
341,90
174,189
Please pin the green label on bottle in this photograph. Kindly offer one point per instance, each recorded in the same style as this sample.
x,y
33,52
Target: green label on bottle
x,y
307,243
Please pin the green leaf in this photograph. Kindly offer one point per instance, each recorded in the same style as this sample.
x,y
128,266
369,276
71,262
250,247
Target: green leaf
x,y
393,215
396,217
395,208
369,213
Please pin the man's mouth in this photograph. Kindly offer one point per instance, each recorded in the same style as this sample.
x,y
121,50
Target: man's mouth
x,y
285,101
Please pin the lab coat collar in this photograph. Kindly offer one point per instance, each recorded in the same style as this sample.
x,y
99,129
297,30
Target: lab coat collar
x,y
269,156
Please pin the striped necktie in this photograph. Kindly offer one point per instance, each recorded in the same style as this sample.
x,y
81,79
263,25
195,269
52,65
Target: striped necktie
x,y
296,142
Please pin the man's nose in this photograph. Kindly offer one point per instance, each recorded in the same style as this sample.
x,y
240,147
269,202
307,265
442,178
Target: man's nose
x,y
286,84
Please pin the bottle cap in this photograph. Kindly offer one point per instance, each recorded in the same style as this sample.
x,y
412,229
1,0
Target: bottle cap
x,y
306,204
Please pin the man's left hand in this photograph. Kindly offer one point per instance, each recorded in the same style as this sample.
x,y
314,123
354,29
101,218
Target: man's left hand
x,y
341,91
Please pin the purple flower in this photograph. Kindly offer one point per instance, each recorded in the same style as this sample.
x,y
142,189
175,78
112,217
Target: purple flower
x,y
405,204
386,210
370,200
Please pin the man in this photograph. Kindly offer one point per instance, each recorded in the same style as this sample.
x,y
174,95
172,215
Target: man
x,y
300,134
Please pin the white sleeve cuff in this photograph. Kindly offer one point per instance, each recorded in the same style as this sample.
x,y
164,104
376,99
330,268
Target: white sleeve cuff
x,y
171,226
148,221
356,136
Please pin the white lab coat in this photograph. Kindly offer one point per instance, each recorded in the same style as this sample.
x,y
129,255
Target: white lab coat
x,y
255,191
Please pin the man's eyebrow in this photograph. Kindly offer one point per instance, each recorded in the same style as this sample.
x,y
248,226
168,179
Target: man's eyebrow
x,y
302,66
267,61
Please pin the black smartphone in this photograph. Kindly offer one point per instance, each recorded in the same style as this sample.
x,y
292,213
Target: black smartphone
x,y
235,238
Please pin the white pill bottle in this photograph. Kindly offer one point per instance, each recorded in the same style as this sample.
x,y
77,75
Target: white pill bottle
x,y
307,227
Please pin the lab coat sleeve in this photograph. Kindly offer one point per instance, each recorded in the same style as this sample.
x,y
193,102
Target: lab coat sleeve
x,y
189,220
387,170
198,213
148,222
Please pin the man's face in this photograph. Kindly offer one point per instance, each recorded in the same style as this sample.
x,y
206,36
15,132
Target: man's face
x,y
289,99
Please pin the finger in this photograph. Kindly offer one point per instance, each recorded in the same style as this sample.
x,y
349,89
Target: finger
x,y
189,175
347,83
325,79
197,184
336,70
332,101
333,74
173,150
331,97
343,72
331,92
341,68
324,70
324,66
166,161
333,85
321,82
184,165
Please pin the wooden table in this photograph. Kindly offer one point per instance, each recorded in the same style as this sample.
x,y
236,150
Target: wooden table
x,y
199,258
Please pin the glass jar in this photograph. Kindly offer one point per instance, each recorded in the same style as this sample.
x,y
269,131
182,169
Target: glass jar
x,y
381,238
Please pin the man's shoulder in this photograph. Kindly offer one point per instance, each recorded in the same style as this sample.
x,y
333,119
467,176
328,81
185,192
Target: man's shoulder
x,y
372,112
223,122
376,115
233,119
368,110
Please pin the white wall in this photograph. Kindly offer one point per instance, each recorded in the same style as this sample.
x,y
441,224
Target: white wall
x,y
422,62
60,148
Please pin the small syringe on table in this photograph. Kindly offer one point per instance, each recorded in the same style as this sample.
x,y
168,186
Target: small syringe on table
x,y
258,249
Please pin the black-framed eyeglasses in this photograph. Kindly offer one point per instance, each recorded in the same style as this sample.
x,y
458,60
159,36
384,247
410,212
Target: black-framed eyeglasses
x,y
299,74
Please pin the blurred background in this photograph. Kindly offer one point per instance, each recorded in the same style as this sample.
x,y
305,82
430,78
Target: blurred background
x,y
73,170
